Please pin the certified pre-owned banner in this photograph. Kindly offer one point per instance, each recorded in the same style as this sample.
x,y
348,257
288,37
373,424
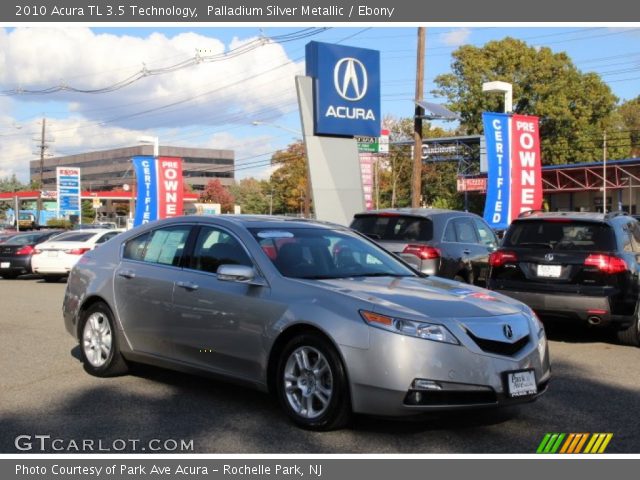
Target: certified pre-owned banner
x,y
526,175
169,187
496,208
160,192
147,190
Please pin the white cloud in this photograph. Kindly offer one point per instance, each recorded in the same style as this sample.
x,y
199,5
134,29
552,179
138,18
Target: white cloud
x,y
235,90
252,154
455,38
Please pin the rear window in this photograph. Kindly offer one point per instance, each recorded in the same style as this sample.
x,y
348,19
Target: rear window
x,y
74,237
24,239
560,235
398,228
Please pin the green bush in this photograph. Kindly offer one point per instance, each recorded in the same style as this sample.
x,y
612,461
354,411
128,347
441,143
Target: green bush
x,y
59,223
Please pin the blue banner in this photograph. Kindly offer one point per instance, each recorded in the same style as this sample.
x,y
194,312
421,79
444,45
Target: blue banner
x,y
346,89
496,132
147,190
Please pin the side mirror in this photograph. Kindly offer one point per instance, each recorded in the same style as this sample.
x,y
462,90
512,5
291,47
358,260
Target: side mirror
x,y
237,273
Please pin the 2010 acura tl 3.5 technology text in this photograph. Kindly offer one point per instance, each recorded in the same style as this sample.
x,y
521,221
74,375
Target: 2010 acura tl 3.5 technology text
x,y
315,313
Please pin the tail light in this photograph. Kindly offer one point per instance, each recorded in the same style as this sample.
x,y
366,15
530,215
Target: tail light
x,y
424,252
502,257
77,251
606,263
26,250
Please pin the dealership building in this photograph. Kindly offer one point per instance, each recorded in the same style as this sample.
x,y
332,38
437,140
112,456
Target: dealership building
x,y
112,169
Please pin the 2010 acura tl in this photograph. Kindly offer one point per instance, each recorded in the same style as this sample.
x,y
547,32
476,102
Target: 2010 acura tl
x,y
318,314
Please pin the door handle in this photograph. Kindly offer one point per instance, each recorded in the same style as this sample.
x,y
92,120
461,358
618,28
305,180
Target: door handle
x,y
187,285
466,252
127,273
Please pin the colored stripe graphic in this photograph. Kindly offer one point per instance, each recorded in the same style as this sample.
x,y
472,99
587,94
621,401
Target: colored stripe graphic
x,y
574,443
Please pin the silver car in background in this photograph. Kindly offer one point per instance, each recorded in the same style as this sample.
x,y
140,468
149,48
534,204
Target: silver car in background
x,y
315,313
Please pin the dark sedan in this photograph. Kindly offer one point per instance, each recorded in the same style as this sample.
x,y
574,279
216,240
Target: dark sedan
x,y
15,253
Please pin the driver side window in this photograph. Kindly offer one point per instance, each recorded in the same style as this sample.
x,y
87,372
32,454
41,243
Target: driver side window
x,y
215,247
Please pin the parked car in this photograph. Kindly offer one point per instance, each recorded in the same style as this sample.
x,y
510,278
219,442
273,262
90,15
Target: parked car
x,y
54,259
6,235
16,252
446,243
91,226
574,266
317,314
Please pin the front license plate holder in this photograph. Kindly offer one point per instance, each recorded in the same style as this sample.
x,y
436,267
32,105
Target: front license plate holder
x,y
521,383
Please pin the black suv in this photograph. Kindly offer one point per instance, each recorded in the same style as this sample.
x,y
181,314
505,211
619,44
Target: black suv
x,y
439,242
574,266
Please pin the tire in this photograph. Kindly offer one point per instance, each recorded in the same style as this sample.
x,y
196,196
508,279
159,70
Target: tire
x,y
325,392
99,347
51,278
9,276
631,335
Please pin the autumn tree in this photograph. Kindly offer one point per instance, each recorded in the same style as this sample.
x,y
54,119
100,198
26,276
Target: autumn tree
x,y
215,192
630,123
575,108
252,195
289,179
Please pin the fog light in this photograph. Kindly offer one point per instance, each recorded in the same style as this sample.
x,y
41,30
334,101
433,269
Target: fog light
x,y
421,384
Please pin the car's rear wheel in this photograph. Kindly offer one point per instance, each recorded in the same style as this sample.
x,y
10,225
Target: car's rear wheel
x,y
10,276
99,344
312,384
631,335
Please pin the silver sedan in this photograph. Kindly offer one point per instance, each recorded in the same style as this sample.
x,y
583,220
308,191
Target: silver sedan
x,y
319,315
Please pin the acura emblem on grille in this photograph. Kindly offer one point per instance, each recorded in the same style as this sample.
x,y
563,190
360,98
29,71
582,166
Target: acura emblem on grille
x,y
549,257
507,330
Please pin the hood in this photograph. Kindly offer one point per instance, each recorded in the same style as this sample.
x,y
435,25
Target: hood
x,y
432,297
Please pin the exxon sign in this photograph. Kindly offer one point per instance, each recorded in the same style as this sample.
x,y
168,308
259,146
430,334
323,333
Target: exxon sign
x,y
346,89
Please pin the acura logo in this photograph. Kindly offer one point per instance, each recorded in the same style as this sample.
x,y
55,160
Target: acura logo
x,y
350,79
549,257
507,330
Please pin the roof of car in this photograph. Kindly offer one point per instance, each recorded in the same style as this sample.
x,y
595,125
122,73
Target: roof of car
x,y
584,216
422,212
266,221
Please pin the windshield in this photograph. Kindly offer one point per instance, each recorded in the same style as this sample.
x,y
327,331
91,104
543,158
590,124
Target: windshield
x,y
321,253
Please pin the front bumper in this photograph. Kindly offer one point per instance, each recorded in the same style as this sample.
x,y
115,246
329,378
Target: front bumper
x,y
381,377
587,309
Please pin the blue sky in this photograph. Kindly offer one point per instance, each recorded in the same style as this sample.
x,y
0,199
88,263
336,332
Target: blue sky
x,y
214,105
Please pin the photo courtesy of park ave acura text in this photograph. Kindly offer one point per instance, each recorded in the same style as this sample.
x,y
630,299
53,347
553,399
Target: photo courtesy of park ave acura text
x,y
281,238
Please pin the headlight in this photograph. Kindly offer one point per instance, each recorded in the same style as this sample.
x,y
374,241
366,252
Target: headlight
x,y
428,331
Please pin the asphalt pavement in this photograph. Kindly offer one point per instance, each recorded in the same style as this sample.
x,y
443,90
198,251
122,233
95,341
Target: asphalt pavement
x,y
48,403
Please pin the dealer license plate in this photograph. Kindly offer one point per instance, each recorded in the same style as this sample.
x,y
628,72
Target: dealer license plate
x,y
552,271
522,383
5,265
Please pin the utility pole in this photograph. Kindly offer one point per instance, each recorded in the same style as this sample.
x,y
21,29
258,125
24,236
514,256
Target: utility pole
x,y
416,175
604,172
42,149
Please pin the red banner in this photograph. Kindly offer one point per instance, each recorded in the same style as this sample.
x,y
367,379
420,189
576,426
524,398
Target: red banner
x,y
170,188
526,174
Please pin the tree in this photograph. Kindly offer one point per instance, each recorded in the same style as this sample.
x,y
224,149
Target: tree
x,y
252,195
289,180
630,120
11,184
575,108
215,192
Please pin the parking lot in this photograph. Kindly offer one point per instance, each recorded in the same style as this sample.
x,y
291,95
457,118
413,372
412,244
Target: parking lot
x,y
45,391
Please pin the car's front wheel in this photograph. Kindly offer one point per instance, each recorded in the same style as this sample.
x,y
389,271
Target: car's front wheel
x,y
312,384
99,344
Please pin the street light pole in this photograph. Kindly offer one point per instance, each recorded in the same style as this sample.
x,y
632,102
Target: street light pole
x,y
604,172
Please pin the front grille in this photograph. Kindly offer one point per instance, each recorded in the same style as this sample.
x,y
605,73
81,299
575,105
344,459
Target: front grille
x,y
500,348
